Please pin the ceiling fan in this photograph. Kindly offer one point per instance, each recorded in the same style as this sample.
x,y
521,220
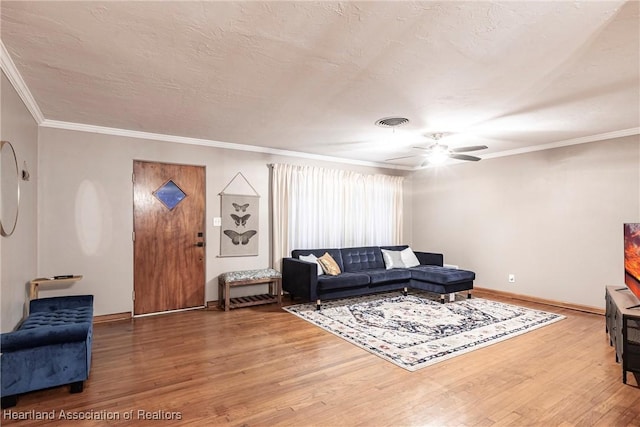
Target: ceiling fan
x,y
437,153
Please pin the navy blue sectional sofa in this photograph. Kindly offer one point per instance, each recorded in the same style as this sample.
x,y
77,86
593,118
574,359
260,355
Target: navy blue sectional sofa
x,y
363,271
51,347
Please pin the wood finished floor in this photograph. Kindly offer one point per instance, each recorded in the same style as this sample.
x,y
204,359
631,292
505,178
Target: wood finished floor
x,y
261,366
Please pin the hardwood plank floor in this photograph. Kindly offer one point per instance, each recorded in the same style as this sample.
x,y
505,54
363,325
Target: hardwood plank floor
x,y
261,366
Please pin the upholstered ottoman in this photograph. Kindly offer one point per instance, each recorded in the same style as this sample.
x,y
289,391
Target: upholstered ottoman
x,y
51,347
442,280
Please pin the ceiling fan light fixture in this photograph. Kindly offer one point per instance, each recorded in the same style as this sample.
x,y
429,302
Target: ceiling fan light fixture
x,y
438,154
438,157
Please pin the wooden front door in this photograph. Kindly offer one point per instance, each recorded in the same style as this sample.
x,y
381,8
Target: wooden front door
x,y
168,225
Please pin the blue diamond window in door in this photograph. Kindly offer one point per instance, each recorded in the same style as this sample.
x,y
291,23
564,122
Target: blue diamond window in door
x,y
170,194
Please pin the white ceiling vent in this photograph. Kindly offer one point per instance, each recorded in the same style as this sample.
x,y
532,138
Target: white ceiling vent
x,y
392,121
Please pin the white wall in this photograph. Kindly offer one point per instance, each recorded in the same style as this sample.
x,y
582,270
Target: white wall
x,y
553,218
18,252
86,209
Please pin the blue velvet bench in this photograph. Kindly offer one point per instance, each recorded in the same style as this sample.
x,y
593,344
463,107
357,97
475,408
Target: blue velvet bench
x,y
51,347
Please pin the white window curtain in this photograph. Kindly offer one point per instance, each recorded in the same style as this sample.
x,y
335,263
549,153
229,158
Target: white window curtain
x,y
325,208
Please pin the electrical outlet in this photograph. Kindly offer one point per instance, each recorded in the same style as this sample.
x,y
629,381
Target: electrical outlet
x,y
512,278
217,221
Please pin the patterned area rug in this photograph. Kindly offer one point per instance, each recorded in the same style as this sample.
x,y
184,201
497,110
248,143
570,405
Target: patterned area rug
x,y
415,331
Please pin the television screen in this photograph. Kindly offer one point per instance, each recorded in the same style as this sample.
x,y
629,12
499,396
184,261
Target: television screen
x,y
632,257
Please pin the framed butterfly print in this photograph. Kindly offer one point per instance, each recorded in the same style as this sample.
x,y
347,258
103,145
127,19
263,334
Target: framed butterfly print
x,y
240,225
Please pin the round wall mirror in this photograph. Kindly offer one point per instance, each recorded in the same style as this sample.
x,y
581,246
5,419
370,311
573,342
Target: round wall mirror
x,y
9,189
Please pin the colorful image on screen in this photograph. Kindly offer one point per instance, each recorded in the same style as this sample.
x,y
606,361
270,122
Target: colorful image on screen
x,y
632,257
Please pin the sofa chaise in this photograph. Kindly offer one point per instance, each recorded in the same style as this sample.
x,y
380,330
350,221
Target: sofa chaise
x,y
52,347
363,271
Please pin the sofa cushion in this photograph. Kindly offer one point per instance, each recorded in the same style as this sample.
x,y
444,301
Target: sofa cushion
x,y
382,275
392,259
344,280
335,254
441,275
404,258
362,258
329,265
409,258
312,259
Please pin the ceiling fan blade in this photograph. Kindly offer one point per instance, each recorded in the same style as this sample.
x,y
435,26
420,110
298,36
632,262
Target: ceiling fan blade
x,y
464,157
429,148
470,148
400,158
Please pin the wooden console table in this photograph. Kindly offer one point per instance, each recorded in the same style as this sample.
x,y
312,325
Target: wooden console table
x,y
623,325
245,278
57,280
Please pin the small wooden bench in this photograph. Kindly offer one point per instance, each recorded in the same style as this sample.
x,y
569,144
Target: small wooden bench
x,y
245,278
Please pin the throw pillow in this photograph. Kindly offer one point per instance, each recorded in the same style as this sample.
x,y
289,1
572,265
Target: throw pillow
x,y
329,265
392,259
314,259
409,259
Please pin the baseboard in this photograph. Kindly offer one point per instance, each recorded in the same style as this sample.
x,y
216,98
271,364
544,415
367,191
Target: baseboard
x,y
128,316
112,317
567,305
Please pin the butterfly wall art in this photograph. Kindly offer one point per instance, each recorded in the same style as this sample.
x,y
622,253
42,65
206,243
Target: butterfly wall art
x,y
240,238
240,208
241,220
240,225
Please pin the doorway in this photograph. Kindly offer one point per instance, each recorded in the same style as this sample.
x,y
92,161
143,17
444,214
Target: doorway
x,y
169,237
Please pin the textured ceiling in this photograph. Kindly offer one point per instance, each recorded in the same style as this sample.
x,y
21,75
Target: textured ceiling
x,y
313,77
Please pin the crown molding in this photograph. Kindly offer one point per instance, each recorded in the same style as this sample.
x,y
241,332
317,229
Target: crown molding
x,y
275,151
565,143
18,83
209,143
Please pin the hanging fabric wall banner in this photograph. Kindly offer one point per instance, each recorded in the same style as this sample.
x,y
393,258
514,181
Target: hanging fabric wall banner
x,y
240,223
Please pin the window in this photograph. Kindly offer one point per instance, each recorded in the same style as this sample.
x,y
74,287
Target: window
x,y
322,208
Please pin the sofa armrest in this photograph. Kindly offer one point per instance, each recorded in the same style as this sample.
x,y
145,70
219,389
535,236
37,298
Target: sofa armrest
x,y
300,278
429,258
47,335
57,303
